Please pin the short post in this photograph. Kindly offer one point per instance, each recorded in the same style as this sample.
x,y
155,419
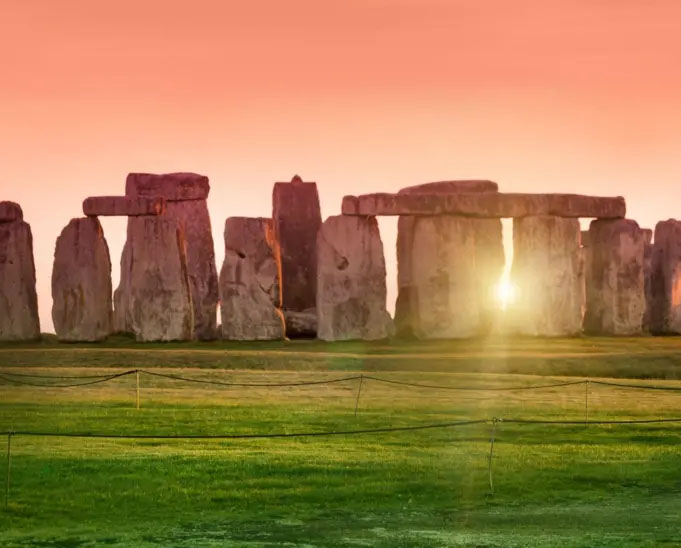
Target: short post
x,y
137,376
491,454
586,402
359,391
9,467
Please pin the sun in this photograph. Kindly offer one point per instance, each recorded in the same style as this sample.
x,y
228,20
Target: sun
x,y
505,292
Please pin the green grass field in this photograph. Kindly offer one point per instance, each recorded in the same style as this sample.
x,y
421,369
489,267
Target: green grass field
x,y
575,485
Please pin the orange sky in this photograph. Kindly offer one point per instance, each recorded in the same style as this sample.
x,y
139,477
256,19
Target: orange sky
x,y
359,95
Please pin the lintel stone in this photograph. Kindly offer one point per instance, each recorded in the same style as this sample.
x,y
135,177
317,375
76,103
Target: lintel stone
x,y
485,205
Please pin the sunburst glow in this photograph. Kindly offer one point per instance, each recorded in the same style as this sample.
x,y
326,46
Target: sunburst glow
x,y
505,292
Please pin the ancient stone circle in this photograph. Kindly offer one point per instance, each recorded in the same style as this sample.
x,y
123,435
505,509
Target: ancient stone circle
x,y
293,275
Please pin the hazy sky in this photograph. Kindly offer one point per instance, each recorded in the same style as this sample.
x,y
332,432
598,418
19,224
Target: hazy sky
x,y
358,95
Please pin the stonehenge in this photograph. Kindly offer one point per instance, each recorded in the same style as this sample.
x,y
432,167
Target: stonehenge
x,y
485,205
297,219
615,278
292,275
18,299
548,272
351,290
185,195
250,281
665,279
159,299
81,283
447,267
100,206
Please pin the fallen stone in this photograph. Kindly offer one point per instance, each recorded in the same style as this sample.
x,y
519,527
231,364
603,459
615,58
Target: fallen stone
x,y
250,290
548,276
122,206
301,324
297,219
351,290
485,204
81,283
18,300
615,284
158,296
10,211
446,281
665,279
171,186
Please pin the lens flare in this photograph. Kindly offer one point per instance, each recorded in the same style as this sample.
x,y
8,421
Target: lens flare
x,y
505,292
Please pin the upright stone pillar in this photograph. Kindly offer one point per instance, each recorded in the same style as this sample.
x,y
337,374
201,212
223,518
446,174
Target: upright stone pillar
x,y
81,283
665,306
648,275
18,300
185,196
447,268
351,290
297,219
548,276
615,285
250,289
159,296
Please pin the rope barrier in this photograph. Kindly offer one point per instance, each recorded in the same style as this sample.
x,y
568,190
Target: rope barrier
x,y
475,388
7,376
383,430
252,385
36,376
105,379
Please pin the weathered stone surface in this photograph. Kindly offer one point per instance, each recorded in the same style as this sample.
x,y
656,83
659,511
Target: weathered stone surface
x,y
351,290
123,206
485,204
184,194
647,275
157,298
171,186
665,303
250,290
194,221
615,287
437,269
440,283
18,301
81,283
548,276
10,211
452,187
297,218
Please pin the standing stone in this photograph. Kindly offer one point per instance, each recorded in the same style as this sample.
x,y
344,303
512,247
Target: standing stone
x,y
647,275
158,296
18,300
615,286
297,219
250,290
447,268
185,196
81,283
665,306
548,276
351,290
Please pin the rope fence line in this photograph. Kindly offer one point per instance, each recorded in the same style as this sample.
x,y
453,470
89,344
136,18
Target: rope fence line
x,y
494,421
7,376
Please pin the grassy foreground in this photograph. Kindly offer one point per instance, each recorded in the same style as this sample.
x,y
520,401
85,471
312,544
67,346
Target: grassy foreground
x,y
553,484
